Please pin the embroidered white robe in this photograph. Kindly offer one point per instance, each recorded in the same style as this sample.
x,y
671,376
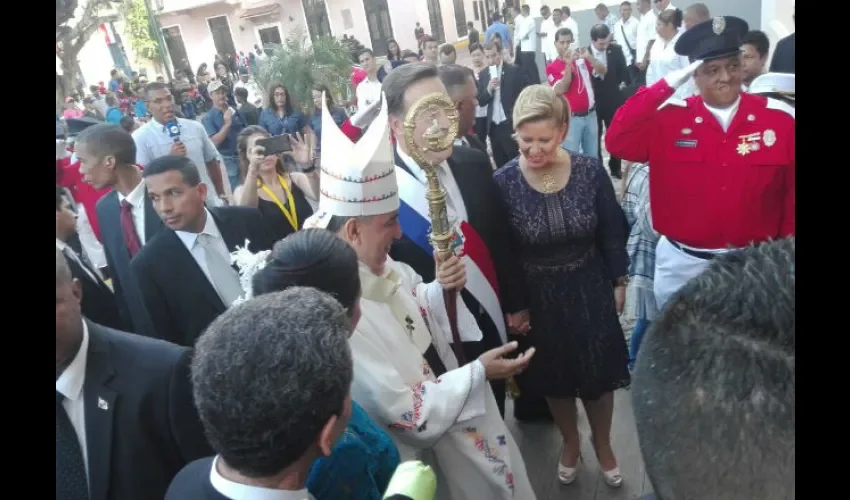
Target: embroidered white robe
x,y
451,423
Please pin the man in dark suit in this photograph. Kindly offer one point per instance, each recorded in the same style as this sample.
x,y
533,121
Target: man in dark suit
x,y
608,87
471,194
184,274
460,85
286,419
127,220
125,418
499,95
784,55
98,302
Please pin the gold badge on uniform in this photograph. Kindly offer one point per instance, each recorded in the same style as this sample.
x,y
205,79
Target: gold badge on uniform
x,y
686,131
769,137
749,143
718,25
744,148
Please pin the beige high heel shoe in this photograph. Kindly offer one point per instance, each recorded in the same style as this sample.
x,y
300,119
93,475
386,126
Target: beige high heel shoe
x,y
612,477
568,475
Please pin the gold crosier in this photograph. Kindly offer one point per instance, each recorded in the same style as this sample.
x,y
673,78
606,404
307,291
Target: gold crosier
x,y
429,150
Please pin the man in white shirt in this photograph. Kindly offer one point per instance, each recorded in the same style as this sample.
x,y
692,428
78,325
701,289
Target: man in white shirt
x,y
606,17
645,37
695,14
625,34
369,90
255,96
526,35
289,417
569,22
167,134
547,34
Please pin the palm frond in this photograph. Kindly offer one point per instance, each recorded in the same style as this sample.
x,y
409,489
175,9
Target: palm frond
x,y
298,64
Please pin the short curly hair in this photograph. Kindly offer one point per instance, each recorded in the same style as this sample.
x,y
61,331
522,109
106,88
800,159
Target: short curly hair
x,y
268,374
714,384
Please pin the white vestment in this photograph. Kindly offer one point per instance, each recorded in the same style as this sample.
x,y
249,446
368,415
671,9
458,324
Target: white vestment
x,y
452,422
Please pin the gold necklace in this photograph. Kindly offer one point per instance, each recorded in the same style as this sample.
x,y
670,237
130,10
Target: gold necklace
x,y
549,185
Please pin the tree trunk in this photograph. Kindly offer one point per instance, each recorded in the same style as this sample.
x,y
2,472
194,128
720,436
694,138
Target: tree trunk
x,y
66,83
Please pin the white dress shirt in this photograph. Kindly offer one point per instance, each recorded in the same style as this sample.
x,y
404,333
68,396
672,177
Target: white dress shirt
x,y
530,41
454,200
238,491
548,42
368,91
498,110
662,60
573,26
70,384
645,33
136,197
602,57
92,247
197,249
625,34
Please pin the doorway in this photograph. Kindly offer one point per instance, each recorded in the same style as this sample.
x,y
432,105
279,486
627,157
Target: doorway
x,y
435,14
316,13
176,48
222,38
269,34
380,27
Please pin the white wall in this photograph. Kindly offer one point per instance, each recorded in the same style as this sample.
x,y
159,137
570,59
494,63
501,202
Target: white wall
x,y
360,28
776,20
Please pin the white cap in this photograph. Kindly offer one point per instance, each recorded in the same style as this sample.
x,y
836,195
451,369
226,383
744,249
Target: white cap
x,y
357,179
773,83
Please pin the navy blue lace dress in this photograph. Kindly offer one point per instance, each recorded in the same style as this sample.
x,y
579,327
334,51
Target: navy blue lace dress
x,y
571,246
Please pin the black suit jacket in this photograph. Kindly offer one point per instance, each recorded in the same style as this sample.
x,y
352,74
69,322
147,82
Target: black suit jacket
x,y
178,296
141,423
784,55
513,81
127,294
476,143
487,215
607,91
98,303
193,483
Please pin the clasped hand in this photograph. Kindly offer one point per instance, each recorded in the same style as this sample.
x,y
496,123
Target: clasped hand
x,y
451,274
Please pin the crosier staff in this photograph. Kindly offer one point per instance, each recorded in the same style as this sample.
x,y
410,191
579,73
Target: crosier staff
x,y
428,154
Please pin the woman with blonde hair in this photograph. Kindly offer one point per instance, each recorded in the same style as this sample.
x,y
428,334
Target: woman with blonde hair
x,y
569,234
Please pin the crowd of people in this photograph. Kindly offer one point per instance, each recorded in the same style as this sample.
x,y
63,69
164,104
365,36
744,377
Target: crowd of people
x,y
240,319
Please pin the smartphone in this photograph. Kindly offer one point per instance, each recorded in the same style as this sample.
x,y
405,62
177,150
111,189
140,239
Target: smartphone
x,y
494,72
276,145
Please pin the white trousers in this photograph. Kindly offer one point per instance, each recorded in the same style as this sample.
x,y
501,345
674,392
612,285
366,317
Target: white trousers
x,y
674,268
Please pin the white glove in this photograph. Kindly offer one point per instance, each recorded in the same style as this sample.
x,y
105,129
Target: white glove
x,y
365,114
676,78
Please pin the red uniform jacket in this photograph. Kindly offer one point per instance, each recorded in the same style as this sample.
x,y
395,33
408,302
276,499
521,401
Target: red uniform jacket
x,y
709,188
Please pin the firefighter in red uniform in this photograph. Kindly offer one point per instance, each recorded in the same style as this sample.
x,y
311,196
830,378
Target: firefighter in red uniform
x,y
722,161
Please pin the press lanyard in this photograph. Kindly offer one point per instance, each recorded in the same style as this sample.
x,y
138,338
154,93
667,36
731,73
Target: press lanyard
x,y
290,214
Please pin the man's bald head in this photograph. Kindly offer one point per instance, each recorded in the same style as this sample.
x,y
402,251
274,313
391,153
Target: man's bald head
x,y
695,14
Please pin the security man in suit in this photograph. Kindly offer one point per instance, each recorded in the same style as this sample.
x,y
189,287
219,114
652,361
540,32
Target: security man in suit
x,y
127,220
98,301
723,162
125,418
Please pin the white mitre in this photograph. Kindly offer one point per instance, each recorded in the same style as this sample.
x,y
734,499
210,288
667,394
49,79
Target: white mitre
x,y
357,178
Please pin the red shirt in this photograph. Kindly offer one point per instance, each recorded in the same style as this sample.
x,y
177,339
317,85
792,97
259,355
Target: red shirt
x,y
576,94
68,176
709,188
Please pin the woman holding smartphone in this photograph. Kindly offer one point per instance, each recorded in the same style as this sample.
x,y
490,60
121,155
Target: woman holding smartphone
x,y
282,194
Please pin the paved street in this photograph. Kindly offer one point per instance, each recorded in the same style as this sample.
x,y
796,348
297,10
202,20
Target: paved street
x,y
541,443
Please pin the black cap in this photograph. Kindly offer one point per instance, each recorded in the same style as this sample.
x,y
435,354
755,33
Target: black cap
x,y
77,125
713,39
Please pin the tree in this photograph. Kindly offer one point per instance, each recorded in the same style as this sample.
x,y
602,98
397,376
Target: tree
x,y
75,24
138,29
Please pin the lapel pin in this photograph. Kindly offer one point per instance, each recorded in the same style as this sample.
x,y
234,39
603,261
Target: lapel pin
x,y
698,119
751,118
102,404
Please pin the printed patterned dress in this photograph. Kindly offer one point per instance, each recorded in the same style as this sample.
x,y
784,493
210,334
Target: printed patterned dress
x,y
571,246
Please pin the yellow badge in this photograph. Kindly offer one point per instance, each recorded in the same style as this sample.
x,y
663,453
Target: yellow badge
x,y
743,148
686,131
769,137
